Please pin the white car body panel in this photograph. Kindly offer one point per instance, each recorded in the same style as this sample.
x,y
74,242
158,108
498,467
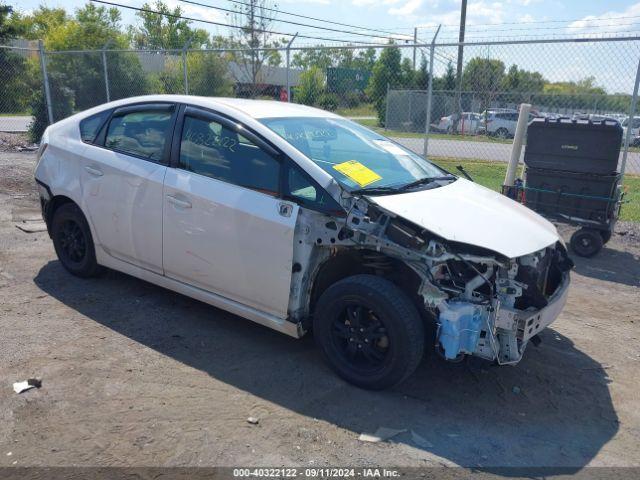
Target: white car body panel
x,y
279,324
218,243
123,199
468,213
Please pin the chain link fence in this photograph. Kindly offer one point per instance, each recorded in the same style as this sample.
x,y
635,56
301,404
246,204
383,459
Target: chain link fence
x,y
411,93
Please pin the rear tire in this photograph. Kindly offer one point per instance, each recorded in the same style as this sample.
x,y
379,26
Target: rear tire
x,y
369,331
73,242
586,242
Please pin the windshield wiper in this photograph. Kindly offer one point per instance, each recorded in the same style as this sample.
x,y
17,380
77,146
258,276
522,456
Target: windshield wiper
x,y
399,188
374,190
425,180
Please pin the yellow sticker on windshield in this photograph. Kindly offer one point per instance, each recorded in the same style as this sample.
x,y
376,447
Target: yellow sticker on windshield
x,y
357,172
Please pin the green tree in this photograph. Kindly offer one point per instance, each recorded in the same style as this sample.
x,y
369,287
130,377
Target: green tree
x,y
37,24
484,77
13,97
208,74
407,73
386,74
421,76
448,81
164,30
90,29
311,86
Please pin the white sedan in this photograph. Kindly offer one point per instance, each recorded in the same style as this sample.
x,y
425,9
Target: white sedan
x,y
299,219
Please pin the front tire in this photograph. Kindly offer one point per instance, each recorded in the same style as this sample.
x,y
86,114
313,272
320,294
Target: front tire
x,y
73,242
369,331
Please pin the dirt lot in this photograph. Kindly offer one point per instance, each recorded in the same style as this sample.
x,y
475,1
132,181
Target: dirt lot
x,y
136,375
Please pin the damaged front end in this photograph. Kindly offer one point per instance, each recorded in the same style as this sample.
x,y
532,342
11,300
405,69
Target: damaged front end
x,y
483,303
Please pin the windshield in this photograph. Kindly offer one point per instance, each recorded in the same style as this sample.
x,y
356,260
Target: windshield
x,y
355,156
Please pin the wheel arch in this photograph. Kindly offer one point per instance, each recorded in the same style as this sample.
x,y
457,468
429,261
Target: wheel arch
x,y
349,262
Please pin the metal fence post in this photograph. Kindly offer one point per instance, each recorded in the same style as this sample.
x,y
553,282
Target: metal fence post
x,y
45,79
184,67
386,109
427,126
104,70
632,113
288,67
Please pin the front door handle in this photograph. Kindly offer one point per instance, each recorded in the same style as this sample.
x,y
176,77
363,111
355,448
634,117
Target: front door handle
x,y
93,171
177,202
285,209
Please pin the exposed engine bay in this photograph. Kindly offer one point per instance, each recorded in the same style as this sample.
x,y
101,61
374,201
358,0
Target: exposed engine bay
x,y
483,303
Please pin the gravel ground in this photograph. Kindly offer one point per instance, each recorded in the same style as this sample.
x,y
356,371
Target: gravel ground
x,y
134,375
15,142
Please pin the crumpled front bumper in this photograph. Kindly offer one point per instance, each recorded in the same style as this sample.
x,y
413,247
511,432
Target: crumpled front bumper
x,y
514,328
531,325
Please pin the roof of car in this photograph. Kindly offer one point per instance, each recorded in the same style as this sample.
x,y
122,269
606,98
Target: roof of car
x,y
253,108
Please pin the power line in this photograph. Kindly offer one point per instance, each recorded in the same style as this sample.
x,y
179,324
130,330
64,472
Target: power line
x,y
532,22
306,17
291,22
220,24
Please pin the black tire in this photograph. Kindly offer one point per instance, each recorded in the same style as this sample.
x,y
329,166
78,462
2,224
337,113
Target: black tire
x,y
369,331
73,242
606,235
586,242
502,133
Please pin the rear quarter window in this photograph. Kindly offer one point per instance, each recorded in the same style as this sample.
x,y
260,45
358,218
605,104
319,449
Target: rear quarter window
x,y
90,126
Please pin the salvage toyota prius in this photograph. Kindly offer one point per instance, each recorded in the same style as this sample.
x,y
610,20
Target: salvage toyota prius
x,y
302,220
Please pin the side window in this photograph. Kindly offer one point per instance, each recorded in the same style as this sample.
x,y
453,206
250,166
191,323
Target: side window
x,y
90,126
303,190
140,133
211,149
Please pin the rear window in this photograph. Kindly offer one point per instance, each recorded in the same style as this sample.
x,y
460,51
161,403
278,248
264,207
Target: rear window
x,y
90,126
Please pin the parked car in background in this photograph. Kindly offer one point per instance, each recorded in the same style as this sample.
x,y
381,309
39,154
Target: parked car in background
x,y
635,127
500,123
469,124
299,220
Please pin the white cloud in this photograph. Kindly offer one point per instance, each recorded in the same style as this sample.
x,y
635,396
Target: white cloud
x,y
318,2
609,22
477,13
526,18
407,9
363,3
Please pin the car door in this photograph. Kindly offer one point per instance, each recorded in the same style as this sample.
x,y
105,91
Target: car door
x,y
225,228
122,182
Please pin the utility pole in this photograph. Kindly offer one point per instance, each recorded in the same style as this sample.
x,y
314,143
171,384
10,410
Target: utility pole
x,y
254,43
415,41
463,21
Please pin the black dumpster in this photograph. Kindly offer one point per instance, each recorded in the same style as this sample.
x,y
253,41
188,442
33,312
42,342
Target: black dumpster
x,y
571,177
573,145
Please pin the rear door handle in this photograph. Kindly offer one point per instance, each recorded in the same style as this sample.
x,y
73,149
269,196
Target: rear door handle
x,y
94,171
177,202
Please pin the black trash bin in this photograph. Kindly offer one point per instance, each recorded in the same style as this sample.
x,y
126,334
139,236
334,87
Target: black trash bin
x,y
571,176
573,145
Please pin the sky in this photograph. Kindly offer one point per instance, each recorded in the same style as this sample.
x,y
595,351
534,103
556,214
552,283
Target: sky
x,y
484,18
613,65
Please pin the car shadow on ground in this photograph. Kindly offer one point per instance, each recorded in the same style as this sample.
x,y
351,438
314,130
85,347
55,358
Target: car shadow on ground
x,y
553,409
610,265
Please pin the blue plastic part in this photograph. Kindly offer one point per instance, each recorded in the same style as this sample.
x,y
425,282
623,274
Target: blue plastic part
x,y
460,325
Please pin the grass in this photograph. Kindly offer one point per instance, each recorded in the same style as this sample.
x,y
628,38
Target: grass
x,y
491,175
363,110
